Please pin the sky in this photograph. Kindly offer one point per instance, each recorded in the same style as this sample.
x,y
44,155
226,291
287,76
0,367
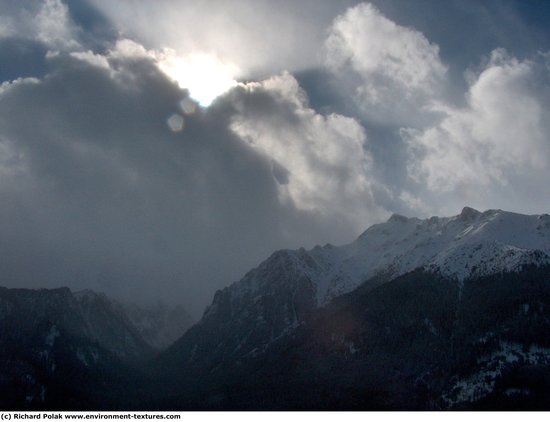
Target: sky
x,y
158,150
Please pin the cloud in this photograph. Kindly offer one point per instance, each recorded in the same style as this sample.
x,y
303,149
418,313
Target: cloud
x,y
47,22
499,140
54,26
112,177
6,27
321,162
435,147
258,37
392,71
99,190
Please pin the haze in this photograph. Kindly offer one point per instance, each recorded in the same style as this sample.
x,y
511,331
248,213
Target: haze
x,y
159,150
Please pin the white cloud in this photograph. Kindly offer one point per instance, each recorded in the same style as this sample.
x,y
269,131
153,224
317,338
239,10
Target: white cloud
x,y
204,76
126,48
395,70
492,150
6,85
499,138
89,57
47,22
12,162
102,187
7,28
105,152
413,203
54,27
258,37
499,130
321,162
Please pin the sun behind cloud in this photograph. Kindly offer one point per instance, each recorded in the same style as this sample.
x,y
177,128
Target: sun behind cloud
x,y
204,75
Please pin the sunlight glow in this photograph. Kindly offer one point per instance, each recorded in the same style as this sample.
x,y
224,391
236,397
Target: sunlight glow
x,y
204,75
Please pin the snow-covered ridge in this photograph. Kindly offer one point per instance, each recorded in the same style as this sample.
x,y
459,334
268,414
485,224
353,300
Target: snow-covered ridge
x,y
472,243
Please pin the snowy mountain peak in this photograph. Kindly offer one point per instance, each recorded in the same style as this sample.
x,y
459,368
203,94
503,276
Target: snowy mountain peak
x,y
472,243
274,299
397,218
468,214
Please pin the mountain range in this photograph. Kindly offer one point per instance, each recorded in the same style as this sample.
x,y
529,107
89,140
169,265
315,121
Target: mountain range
x,y
438,313
55,345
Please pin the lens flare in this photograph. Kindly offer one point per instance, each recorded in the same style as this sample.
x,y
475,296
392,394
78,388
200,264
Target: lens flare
x,y
175,122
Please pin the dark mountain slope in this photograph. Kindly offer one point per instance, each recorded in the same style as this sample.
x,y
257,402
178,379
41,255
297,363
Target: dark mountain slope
x,y
59,350
419,342
275,298
442,313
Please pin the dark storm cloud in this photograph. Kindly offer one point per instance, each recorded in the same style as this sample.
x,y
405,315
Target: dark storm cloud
x,y
108,181
98,192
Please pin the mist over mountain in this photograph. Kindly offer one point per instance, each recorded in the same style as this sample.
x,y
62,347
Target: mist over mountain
x,y
403,298
59,348
260,205
159,325
441,313
138,140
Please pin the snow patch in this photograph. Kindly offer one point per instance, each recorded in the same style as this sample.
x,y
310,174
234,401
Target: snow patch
x,y
471,244
52,335
482,383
